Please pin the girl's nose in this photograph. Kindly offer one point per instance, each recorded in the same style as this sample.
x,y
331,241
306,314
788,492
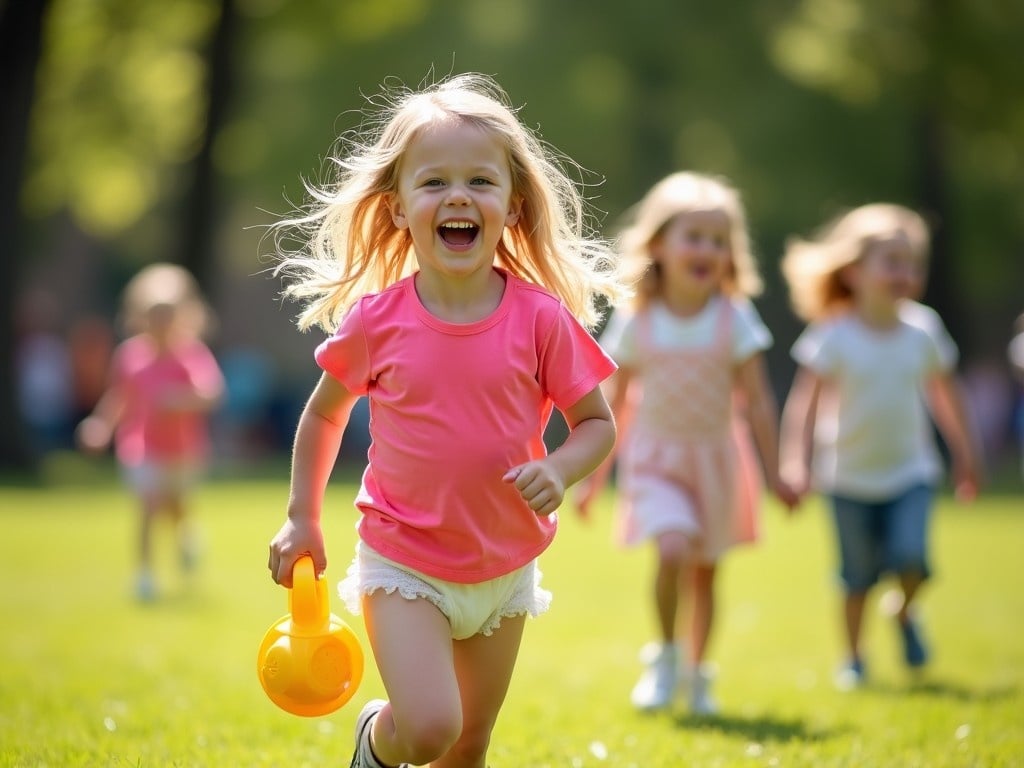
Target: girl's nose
x,y
457,195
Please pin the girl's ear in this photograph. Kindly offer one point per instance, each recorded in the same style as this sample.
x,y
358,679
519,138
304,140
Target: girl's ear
x,y
395,209
515,208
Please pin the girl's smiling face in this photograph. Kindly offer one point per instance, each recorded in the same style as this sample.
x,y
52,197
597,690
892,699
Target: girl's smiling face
x,y
890,270
694,253
455,196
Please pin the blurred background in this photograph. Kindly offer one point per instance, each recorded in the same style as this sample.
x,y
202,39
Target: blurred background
x,y
134,132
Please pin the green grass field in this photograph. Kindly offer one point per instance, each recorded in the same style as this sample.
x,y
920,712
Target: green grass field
x,y
92,678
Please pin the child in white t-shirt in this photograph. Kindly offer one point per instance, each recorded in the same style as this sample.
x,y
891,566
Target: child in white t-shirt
x,y
855,426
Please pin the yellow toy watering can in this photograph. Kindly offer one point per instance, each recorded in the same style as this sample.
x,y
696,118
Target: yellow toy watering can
x,y
310,661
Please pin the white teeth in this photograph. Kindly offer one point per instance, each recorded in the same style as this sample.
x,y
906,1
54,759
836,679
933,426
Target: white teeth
x,y
458,225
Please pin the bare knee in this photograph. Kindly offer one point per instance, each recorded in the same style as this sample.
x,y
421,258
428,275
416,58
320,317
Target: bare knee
x,y
429,736
673,550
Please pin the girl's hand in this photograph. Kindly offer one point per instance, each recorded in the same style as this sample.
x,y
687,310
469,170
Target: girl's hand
x,y
788,495
965,482
294,540
540,486
93,434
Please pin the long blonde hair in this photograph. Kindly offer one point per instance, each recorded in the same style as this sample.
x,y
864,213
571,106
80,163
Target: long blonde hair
x,y
679,193
813,268
349,245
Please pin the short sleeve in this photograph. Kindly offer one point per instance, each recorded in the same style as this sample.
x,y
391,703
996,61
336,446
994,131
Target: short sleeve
x,y
203,370
814,350
928,320
572,363
750,335
345,355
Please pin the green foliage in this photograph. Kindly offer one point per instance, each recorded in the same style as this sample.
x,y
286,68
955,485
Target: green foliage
x,y
93,678
808,106
120,100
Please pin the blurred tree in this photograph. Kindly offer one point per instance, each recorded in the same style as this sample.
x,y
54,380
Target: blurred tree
x,y
160,128
129,99
202,204
21,26
955,66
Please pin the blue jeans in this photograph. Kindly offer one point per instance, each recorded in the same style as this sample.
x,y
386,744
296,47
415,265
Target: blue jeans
x,y
878,537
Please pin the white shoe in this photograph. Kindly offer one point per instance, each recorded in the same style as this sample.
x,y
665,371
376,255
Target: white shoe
x,y
657,685
701,700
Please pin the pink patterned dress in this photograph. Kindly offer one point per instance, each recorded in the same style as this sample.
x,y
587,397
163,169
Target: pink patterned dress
x,y
689,463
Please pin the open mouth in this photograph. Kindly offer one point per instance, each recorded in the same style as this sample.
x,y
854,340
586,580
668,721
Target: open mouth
x,y
700,271
458,233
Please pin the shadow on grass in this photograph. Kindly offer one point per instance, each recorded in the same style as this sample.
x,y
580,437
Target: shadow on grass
x,y
946,689
757,729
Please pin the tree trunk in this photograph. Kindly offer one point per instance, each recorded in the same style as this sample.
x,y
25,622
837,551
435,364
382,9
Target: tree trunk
x,y
201,205
21,27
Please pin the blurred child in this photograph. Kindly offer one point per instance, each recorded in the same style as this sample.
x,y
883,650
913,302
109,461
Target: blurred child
x,y
855,425
1015,354
694,348
450,264
163,383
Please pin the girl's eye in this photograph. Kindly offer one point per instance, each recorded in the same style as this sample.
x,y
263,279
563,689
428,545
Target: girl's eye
x,y
480,181
433,183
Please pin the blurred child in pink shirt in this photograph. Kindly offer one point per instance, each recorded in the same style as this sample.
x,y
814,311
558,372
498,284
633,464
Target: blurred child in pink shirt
x,y
164,381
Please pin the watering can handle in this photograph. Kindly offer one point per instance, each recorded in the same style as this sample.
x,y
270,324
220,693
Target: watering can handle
x,y
307,599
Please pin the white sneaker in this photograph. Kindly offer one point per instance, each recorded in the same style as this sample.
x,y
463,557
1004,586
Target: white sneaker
x,y
701,700
657,685
362,756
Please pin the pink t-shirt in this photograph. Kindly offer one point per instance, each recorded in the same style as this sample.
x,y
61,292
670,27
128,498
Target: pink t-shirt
x,y
147,431
452,408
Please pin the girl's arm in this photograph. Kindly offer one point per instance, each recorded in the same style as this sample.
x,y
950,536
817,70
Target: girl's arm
x,y
763,415
616,390
96,430
946,402
542,483
317,441
797,431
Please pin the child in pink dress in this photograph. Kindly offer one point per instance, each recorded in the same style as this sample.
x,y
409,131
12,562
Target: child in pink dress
x,y
457,287
164,381
692,386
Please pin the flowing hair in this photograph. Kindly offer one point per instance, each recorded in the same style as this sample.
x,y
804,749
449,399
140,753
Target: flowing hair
x,y
348,245
813,268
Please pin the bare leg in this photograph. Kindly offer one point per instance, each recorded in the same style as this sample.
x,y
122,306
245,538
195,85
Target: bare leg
x,y
703,612
148,513
853,614
673,549
910,583
412,646
483,665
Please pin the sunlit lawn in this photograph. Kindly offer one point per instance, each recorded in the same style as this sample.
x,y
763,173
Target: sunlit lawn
x,y
91,678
